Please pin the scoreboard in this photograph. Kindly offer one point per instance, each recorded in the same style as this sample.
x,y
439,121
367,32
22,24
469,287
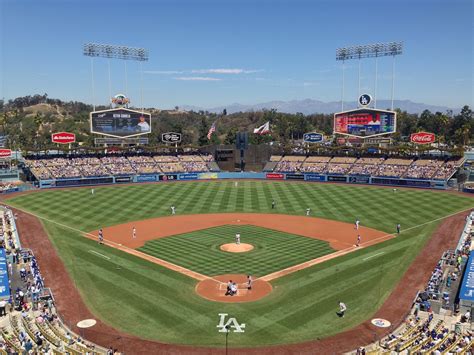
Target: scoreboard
x,y
120,122
365,122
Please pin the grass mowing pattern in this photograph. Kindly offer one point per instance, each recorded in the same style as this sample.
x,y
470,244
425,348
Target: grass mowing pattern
x,y
153,302
273,250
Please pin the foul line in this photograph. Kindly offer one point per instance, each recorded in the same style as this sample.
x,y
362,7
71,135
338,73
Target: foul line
x,y
307,264
269,277
373,256
99,254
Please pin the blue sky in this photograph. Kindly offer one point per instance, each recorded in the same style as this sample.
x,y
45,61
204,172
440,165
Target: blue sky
x,y
210,53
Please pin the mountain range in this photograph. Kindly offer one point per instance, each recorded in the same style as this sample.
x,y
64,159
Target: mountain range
x,y
310,106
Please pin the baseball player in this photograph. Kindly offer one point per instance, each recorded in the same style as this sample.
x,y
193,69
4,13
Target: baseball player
x,y
237,238
358,240
357,222
273,204
134,233
92,191
101,236
342,309
249,282
308,210
173,210
398,228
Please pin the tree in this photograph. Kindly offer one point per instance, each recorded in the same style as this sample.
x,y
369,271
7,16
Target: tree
x,y
230,137
203,130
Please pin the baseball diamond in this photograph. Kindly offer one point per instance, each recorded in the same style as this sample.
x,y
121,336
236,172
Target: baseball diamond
x,y
124,290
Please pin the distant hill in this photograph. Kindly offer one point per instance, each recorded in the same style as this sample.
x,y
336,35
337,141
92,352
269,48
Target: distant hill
x,y
310,106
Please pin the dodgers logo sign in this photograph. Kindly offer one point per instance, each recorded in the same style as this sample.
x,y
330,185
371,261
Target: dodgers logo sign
x,y
365,100
225,325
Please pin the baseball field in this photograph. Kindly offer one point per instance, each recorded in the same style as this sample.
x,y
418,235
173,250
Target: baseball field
x,y
151,301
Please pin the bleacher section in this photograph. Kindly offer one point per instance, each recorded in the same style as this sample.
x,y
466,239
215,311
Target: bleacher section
x,y
77,167
409,168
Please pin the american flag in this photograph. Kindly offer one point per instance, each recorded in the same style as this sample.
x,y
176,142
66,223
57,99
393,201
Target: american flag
x,y
211,130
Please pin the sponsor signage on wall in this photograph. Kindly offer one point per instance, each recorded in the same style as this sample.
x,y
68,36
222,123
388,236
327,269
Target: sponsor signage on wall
x,y
337,178
422,138
275,176
168,177
5,153
314,177
63,137
122,179
359,179
144,178
294,176
188,176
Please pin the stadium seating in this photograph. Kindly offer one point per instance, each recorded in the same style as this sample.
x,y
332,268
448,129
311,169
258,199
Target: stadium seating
x,y
377,167
32,321
55,168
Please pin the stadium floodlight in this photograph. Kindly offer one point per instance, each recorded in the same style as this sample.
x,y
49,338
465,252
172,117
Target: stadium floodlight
x,y
369,51
110,51
117,52
373,50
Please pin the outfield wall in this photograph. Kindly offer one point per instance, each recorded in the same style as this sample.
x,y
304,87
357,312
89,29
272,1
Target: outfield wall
x,y
349,179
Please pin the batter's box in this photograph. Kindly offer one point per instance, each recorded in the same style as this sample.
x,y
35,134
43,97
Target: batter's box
x,y
241,288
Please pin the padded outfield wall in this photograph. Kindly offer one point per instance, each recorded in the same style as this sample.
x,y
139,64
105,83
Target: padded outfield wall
x,y
349,179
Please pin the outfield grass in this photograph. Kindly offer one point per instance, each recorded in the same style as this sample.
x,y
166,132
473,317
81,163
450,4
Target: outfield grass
x,y
153,302
273,250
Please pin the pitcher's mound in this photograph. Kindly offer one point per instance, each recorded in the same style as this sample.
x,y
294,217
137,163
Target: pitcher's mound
x,y
236,248
214,289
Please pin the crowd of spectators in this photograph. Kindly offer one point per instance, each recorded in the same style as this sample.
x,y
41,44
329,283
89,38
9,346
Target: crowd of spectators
x,y
381,167
427,337
117,165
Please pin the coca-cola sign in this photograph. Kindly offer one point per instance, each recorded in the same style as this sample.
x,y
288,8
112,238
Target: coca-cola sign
x,y
5,153
422,138
63,137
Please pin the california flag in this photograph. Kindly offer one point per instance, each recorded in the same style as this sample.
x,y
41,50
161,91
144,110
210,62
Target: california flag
x,y
264,129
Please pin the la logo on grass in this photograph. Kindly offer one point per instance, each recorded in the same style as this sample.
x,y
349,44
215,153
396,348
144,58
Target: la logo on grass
x,y
231,323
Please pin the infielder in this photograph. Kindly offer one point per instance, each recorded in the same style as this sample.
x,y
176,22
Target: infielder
x,y
308,210
101,236
357,222
398,228
249,282
173,210
134,233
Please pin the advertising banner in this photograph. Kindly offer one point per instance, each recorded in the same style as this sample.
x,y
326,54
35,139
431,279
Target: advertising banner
x,y
63,137
422,138
122,179
314,177
5,153
359,179
207,176
467,284
275,176
313,137
188,176
171,137
4,285
168,177
294,176
337,178
144,178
